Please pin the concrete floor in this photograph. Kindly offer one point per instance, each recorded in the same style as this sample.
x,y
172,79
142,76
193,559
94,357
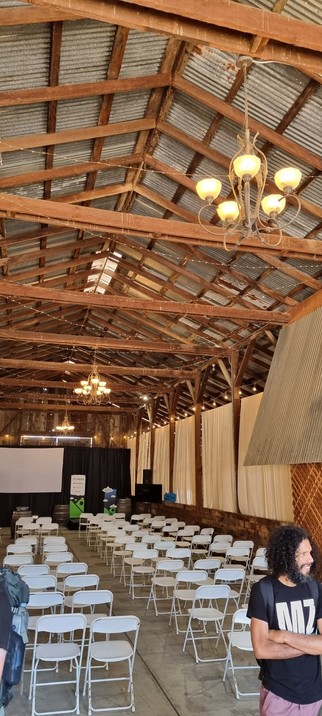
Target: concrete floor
x,y
167,682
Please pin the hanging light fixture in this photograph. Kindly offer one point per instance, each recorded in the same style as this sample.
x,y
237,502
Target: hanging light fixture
x,y
93,391
248,168
66,427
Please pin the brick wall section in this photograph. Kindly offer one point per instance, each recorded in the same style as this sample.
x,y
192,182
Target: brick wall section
x,y
240,526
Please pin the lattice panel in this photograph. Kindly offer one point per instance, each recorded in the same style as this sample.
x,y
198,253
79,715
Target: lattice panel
x,y
307,499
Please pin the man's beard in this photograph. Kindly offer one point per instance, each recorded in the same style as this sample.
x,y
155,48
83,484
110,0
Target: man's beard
x,y
298,577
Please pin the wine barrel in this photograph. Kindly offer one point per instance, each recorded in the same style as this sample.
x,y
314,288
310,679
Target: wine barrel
x,y
61,514
124,504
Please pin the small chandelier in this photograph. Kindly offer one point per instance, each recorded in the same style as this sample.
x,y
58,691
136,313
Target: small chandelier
x,y
93,391
241,215
66,426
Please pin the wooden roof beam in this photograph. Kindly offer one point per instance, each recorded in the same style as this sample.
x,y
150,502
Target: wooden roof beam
x,y
100,220
127,303
64,366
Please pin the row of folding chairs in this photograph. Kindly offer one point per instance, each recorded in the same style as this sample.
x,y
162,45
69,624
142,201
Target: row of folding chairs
x,y
60,640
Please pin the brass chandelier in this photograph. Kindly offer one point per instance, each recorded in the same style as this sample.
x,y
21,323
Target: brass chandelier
x,y
247,176
93,391
66,427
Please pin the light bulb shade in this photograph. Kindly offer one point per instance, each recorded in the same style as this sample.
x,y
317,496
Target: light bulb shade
x,y
95,380
78,391
246,166
288,178
228,211
273,204
84,383
208,189
102,384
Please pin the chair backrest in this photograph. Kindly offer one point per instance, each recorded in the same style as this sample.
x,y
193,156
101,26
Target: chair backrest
x,y
223,538
218,547
191,576
76,582
243,543
178,553
33,570
240,617
55,558
200,540
211,564
230,574
43,521
45,600
260,552
169,565
54,539
237,552
66,568
41,582
259,563
61,624
119,515
116,625
55,547
22,548
212,592
146,554
17,560
150,539
162,545
207,531
92,598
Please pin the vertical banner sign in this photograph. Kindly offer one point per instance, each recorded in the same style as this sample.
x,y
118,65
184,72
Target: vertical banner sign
x,y
77,495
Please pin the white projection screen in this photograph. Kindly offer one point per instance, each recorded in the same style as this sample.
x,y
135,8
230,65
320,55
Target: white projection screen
x,y
31,469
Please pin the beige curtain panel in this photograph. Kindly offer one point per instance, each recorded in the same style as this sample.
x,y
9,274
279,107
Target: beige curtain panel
x,y
144,455
184,462
131,444
218,472
263,490
161,458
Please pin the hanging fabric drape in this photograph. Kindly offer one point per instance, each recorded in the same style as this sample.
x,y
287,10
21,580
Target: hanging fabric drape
x,y
131,444
184,461
263,490
218,470
161,457
144,455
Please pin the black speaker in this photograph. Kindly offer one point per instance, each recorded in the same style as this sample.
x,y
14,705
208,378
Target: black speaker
x,y
147,477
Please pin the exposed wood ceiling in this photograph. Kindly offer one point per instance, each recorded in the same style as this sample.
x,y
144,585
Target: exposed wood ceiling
x,y
109,114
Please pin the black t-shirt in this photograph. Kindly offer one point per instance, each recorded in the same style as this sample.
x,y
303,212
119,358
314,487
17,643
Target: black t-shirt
x,y
298,679
5,618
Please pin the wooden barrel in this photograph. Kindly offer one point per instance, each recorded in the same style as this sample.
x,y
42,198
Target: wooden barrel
x,y
61,514
124,504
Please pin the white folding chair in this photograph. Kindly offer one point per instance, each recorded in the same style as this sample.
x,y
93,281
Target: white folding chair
x,y
41,582
51,602
21,548
223,538
54,652
64,569
53,559
239,639
258,570
112,650
218,549
210,564
234,576
207,531
163,582
90,599
200,546
183,553
204,610
237,555
31,540
84,518
33,570
144,570
13,561
77,582
187,581
240,543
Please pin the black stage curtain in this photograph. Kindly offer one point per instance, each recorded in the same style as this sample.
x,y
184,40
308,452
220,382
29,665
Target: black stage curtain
x,y
102,466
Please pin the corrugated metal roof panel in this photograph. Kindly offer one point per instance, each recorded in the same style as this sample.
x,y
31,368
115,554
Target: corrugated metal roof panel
x,y
211,70
305,129
26,49
143,54
119,146
187,113
72,153
23,120
174,154
72,114
129,106
86,51
159,183
116,175
22,161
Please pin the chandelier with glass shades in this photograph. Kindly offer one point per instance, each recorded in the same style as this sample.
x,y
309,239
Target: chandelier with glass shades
x,y
249,213
66,427
93,391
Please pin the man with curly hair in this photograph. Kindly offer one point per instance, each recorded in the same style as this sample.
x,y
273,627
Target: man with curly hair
x,y
287,635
